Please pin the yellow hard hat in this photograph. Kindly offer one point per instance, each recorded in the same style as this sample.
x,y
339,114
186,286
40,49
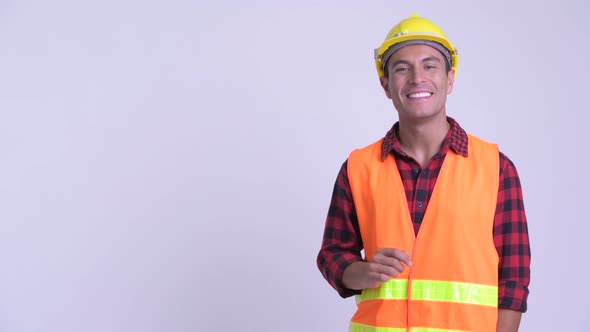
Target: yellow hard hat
x,y
415,28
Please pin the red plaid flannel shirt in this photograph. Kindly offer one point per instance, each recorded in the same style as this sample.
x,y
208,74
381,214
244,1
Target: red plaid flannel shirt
x,y
342,242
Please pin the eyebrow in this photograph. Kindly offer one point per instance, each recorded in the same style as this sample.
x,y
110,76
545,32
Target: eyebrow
x,y
429,58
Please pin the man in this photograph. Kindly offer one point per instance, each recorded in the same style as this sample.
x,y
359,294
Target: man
x,y
438,212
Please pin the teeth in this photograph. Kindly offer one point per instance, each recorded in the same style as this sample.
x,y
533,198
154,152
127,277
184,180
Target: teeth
x,y
420,95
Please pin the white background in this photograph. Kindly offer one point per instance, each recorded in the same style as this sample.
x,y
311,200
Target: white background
x,y
168,166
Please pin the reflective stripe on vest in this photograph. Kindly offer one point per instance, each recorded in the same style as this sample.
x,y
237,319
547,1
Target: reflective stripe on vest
x,y
356,327
430,290
394,289
450,291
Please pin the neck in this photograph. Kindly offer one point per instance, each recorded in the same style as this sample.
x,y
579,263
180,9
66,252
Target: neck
x,y
422,140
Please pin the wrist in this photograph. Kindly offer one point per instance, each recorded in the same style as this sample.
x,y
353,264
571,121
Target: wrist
x,y
351,277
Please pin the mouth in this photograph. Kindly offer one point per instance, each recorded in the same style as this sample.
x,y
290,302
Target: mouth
x,y
417,95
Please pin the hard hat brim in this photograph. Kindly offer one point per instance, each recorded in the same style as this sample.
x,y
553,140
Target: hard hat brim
x,y
415,36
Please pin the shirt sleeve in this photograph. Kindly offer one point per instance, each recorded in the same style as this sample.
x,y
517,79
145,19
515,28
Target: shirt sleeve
x,y
342,243
511,240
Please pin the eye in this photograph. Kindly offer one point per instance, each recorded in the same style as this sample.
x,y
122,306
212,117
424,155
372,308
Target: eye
x,y
429,67
401,69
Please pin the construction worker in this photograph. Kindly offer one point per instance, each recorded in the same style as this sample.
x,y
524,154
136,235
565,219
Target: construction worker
x,y
438,212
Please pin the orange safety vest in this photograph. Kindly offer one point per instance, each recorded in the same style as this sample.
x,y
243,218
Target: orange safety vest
x,y
452,284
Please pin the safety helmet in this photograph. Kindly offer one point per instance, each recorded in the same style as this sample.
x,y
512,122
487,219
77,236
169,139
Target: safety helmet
x,y
415,28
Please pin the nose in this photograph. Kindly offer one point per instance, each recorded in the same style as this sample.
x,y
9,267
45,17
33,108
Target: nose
x,y
417,75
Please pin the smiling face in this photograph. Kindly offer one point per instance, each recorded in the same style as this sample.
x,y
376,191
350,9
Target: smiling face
x,y
418,82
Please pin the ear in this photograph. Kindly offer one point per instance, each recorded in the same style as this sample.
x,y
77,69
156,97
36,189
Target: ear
x,y
385,85
450,81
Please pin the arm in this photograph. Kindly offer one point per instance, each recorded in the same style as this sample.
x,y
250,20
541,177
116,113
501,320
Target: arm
x,y
512,243
342,243
508,320
339,258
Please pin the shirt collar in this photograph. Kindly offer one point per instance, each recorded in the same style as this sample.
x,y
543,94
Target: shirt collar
x,y
455,140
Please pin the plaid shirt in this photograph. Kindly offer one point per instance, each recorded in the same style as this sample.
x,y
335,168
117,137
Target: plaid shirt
x,y
342,242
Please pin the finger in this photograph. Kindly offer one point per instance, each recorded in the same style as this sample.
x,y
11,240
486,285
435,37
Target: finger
x,y
396,253
396,264
388,261
376,279
379,278
383,277
384,269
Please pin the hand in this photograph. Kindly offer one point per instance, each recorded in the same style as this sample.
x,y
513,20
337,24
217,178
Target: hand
x,y
386,263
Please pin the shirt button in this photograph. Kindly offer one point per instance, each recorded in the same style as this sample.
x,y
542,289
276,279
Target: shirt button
x,y
420,204
416,171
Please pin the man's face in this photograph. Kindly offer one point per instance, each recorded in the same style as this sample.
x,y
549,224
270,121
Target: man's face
x,y
418,83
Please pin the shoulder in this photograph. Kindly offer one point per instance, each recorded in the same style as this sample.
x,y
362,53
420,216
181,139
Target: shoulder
x,y
507,167
370,151
505,161
375,145
482,151
472,140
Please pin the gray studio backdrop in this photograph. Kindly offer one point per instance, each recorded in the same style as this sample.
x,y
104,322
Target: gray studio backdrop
x,y
167,166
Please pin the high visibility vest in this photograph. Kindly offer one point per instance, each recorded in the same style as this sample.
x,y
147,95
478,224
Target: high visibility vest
x,y
452,284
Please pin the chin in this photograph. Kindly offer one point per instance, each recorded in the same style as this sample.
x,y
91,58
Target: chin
x,y
420,115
